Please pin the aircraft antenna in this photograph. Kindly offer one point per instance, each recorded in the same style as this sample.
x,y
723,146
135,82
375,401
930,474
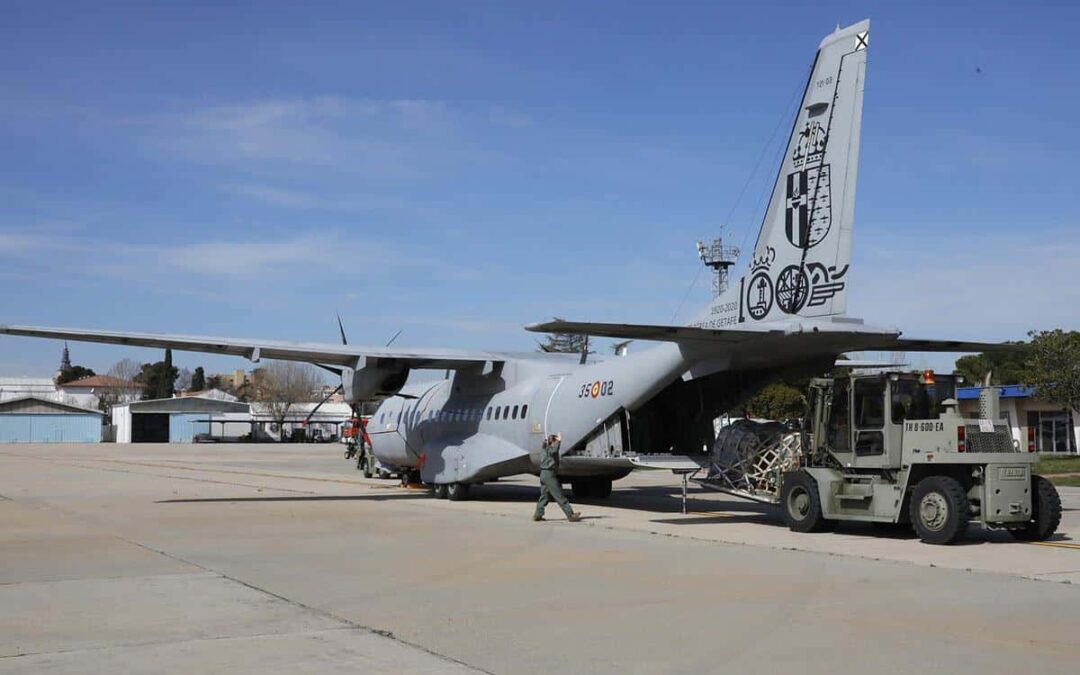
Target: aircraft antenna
x,y
719,259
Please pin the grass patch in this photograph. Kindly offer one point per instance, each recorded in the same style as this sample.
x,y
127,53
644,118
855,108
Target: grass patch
x,y
1052,465
1065,481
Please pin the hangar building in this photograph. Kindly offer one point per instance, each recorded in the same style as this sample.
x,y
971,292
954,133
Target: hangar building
x,y
38,420
170,420
1053,427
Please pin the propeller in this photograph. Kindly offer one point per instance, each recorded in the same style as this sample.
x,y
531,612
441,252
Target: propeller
x,y
341,328
329,396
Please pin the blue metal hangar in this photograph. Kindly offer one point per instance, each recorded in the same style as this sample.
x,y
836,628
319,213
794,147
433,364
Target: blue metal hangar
x,y
38,420
173,420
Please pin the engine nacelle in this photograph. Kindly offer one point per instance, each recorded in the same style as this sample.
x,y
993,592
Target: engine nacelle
x,y
373,381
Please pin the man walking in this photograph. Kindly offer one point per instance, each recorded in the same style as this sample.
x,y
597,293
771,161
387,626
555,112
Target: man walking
x,y
549,483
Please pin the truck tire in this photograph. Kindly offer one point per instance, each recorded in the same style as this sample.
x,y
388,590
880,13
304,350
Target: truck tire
x,y
801,503
940,510
440,491
1045,512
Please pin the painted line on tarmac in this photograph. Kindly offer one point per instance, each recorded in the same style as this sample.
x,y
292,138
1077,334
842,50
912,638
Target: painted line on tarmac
x,y
1055,544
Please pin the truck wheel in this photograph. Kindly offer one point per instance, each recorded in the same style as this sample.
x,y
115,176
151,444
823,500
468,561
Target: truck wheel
x,y
801,503
457,492
940,510
440,491
1045,512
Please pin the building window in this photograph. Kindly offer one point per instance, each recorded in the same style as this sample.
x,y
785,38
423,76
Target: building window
x,y
1053,430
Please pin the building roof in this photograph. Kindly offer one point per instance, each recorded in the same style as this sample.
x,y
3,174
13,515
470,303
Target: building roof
x,y
101,382
19,405
184,404
1004,391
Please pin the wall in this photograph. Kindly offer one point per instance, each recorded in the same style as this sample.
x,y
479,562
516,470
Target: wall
x,y
50,428
183,427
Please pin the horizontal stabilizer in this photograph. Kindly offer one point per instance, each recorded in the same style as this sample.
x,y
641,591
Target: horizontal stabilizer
x,y
821,336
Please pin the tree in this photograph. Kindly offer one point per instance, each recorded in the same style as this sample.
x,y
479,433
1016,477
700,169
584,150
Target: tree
x,y
73,373
198,379
183,380
281,384
777,401
1054,366
125,369
564,343
1006,367
158,379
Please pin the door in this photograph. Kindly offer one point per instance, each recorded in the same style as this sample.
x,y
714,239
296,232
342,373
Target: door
x,y
540,423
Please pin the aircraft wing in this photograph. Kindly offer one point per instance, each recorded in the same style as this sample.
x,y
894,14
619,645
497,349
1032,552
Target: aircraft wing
x,y
311,352
825,335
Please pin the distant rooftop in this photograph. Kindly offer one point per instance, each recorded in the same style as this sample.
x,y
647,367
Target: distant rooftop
x,y
1004,391
101,382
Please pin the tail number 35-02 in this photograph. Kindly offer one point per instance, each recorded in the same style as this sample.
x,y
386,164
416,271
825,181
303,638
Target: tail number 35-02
x,y
597,389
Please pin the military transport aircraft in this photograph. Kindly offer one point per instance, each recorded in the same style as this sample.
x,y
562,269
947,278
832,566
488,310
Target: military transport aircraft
x,y
489,415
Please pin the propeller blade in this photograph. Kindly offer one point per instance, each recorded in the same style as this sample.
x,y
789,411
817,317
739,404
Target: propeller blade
x,y
408,397
341,329
319,405
330,369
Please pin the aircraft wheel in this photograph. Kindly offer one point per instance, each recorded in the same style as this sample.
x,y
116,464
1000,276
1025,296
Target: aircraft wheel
x,y
1045,512
940,510
457,492
582,488
440,491
801,503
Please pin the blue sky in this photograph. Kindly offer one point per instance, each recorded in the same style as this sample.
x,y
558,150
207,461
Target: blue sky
x,y
457,170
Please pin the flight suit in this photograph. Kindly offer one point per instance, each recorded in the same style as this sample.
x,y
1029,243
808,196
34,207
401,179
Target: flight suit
x,y
549,483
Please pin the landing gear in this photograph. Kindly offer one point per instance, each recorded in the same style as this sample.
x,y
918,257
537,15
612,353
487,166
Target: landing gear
x,y
1045,512
592,487
457,492
409,478
940,510
440,490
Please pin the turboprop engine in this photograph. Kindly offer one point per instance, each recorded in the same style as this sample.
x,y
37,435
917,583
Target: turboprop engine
x,y
373,380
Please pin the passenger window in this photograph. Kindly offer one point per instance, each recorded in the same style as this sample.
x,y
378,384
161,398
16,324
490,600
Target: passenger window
x,y
838,434
506,412
488,416
513,414
524,411
496,413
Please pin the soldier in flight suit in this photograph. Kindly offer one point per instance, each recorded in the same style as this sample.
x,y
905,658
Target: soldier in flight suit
x,y
549,483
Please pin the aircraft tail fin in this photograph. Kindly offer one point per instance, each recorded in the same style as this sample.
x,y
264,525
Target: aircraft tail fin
x,y
803,251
